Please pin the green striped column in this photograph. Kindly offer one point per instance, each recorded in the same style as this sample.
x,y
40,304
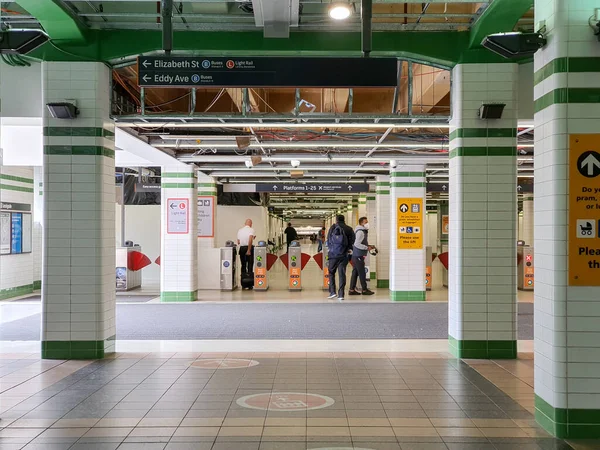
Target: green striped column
x,y
567,330
407,244
382,194
483,207
78,272
179,246
362,205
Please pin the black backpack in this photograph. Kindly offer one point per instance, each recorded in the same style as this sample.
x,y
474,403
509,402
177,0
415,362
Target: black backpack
x,y
337,242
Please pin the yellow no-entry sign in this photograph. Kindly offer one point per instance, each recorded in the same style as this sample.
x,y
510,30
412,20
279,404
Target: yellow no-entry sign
x,y
584,210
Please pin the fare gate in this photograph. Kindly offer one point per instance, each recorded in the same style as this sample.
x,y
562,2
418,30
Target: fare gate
x,y
228,271
295,266
261,279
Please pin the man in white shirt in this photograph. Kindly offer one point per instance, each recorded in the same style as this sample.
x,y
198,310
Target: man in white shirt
x,y
245,240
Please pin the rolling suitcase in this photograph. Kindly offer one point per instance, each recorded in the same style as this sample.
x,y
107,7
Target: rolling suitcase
x,y
247,280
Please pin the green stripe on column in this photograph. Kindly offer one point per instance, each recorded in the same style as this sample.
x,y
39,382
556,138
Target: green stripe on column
x,y
77,349
78,132
483,349
383,284
79,150
383,183
209,185
178,185
373,275
408,296
8,187
15,178
563,65
179,175
567,95
382,192
483,133
413,184
409,174
207,194
371,198
567,423
16,291
173,297
483,151
37,285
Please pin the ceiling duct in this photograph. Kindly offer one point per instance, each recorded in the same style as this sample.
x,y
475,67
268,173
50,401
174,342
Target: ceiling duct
x,y
276,16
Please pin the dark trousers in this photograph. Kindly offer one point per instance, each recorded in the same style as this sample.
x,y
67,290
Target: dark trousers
x,y
336,264
358,271
247,261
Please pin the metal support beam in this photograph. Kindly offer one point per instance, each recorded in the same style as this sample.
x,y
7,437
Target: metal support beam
x,y
410,89
193,102
350,101
166,9
397,88
142,101
366,12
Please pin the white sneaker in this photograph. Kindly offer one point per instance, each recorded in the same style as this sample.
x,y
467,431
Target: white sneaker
x,y
340,299
332,296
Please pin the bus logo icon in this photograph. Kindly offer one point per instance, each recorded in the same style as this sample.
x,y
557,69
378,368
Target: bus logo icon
x,y
206,64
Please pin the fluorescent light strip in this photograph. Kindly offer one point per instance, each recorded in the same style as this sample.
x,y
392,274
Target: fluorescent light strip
x,y
306,145
334,125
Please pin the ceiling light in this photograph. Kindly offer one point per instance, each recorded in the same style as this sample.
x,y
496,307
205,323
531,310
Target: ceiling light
x,y
340,11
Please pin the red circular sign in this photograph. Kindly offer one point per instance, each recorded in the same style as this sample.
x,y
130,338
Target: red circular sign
x,y
182,205
224,363
230,64
285,401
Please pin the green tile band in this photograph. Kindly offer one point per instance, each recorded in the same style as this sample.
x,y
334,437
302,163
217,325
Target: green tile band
x,y
564,65
567,95
173,297
408,296
8,187
483,151
178,185
77,349
78,132
527,199
209,185
409,174
16,291
413,184
483,133
483,349
207,194
382,192
383,183
373,275
371,198
383,284
37,285
79,150
15,178
181,175
567,423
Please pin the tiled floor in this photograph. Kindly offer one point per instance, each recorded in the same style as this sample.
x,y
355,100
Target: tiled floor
x,y
269,401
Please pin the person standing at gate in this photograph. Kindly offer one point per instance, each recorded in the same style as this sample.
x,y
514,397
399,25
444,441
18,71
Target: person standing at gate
x,y
290,234
359,252
340,240
245,239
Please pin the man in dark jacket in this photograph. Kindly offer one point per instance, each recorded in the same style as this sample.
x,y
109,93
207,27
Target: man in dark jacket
x,y
359,252
290,234
340,240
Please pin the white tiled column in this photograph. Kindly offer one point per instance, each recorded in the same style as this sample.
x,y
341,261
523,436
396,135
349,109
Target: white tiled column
x,y
179,250
383,231
528,220
208,188
567,318
78,274
362,206
483,208
407,266
373,220
355,214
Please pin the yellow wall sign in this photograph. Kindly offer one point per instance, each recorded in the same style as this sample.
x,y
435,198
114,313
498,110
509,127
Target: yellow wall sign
x,y
445,224
584,210
409,224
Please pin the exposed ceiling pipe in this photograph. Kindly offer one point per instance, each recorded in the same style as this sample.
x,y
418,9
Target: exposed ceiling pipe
x,y
167,25
304,157
366,12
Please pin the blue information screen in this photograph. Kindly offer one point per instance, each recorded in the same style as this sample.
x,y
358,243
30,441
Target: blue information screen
x,y
17,233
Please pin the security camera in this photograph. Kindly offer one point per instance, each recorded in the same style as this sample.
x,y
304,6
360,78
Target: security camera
x,y
393,163
295,163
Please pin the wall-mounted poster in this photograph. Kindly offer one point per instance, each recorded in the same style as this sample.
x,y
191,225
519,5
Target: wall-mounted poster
x,y
27,233
5,233
17,233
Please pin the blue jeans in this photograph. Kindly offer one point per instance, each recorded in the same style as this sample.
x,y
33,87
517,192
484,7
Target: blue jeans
x,y
320,245
335,264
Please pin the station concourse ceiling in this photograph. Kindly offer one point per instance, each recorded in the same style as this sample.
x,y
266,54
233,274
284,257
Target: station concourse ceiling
x,y
336,134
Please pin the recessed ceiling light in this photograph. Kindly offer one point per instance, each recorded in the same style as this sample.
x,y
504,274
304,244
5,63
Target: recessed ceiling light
x,y
340,11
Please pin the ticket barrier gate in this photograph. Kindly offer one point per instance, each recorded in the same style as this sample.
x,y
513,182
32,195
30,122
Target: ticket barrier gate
x,y
525,268
228,271
263,261
294,260
322,259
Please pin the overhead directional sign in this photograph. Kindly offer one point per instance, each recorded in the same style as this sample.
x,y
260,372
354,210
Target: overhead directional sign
x,y
193,71
312,188
584,210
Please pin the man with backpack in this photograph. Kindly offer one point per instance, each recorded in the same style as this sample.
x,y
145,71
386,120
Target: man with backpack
x,y
340,240
359,252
